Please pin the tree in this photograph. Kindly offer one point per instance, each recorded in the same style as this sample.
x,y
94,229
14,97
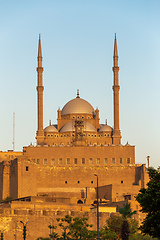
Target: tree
x,y
149,199
106,233
72,228
139,236
76,228
114,224
126,213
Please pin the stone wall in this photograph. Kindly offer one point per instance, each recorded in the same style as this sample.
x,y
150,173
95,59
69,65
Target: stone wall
x,y
38,221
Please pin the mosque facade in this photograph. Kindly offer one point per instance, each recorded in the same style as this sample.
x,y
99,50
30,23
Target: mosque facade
x,y
68,154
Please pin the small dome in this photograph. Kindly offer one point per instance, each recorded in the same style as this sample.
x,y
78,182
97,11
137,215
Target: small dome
x,y
77,106
50,128
69,127
105,128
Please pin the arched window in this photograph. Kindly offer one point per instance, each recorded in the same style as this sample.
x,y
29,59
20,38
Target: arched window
x,y
79,202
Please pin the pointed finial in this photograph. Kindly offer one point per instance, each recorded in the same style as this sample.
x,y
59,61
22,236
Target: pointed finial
x,y
115,47
106,121
39,47
77,93
49,122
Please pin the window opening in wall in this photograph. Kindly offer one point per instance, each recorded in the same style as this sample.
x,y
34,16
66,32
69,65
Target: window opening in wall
x,y
113,160
75,161
90,161
78,181
128,160
79,202
65,182
68,161
52,161
105,160
60,161
83,160
88,135
27,168
121,181
91,181
45,161
98,160
37,161
121,160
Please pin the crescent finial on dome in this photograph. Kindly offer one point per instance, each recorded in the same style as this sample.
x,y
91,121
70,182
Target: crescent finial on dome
x,y
78,93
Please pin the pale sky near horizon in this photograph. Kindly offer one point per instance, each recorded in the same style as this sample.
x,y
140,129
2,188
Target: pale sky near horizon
x,y
77,45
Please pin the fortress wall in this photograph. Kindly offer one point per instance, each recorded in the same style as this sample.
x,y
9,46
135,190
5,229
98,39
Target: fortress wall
x,y
38,221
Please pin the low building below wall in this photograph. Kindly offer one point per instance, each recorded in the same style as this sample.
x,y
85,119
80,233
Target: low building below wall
x,y
39,213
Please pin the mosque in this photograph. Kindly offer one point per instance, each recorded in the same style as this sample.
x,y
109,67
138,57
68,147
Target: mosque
x,y
70,152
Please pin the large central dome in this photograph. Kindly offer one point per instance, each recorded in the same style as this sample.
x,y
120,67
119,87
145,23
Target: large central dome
x,y
77,106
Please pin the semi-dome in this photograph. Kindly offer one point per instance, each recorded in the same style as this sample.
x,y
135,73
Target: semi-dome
x,y
50,128
69,127
105,128
77,106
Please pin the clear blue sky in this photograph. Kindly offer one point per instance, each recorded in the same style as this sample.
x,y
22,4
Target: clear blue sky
x,y
77,43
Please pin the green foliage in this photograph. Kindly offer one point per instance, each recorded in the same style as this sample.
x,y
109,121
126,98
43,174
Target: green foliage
x,y
40,238
114,224
126,211
76,228
106,233
133,226
139,236
7,199
79,228
72,228
149,199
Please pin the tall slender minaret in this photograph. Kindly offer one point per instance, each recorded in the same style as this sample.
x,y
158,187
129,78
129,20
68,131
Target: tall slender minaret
x,y
40,88
116,87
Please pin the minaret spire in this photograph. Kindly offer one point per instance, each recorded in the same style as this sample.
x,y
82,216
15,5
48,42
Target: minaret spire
x,y
39,47
116,88
40,89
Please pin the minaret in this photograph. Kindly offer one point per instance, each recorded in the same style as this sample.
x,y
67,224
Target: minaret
x,y
40,88
116,87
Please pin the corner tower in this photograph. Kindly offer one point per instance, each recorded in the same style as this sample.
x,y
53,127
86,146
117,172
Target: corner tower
x,y
40,89
116,88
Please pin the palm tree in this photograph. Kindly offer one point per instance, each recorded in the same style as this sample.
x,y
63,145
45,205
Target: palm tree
x,y
126,212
